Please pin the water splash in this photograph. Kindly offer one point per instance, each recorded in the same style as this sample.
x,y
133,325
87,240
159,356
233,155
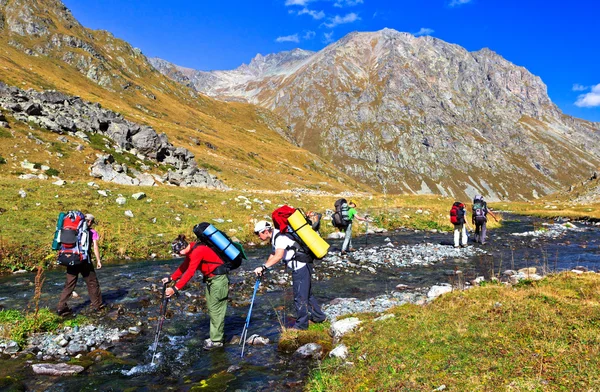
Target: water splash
x,y
142,369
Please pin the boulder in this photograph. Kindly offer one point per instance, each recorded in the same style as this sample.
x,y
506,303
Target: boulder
x,y
121,200
57,369
340,328
74,348
33,109
436,291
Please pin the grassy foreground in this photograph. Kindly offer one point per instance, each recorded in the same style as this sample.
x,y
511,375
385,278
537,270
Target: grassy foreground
x,y
540,336
27,224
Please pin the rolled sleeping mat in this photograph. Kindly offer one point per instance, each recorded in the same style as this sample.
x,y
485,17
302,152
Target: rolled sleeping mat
x,y
221,242
310,237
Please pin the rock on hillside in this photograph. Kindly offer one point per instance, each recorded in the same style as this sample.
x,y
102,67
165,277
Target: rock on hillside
x,y
420,115
585,192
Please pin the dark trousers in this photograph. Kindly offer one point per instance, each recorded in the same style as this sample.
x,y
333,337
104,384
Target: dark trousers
x,y
304,301
89,275
480,231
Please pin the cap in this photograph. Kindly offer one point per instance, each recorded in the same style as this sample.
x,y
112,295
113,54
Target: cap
x,y
260,226
478,197
90,217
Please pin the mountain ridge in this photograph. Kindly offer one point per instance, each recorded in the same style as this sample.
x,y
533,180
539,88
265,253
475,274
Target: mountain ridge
x,y
419,115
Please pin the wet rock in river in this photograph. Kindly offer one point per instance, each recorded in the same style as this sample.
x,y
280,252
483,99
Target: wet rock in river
x,y
58,369
257,340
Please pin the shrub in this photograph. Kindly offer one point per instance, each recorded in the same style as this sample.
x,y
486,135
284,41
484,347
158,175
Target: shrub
x,y
2,160
52,172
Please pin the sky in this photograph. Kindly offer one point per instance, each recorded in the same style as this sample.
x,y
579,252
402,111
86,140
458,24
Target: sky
x,y
555,40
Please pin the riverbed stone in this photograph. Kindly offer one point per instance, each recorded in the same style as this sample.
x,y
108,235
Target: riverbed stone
x,y
257,340
309,350
57,369
75,347
530,270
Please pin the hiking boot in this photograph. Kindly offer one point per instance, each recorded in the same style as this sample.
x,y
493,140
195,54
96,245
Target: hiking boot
x,y
343,253
64,312
351,250
210,345
483,243
456,246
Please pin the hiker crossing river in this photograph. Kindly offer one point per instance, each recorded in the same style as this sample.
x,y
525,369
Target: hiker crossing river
x,y
396,267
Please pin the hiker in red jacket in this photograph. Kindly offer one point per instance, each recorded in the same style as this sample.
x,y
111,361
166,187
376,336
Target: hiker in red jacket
x,y
201,257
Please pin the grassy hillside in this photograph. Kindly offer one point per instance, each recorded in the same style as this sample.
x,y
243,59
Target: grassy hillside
x,y
538,336
237,142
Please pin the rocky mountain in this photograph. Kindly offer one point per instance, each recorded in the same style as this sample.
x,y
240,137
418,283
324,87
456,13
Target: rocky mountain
x,y
43,47
233,83
420,115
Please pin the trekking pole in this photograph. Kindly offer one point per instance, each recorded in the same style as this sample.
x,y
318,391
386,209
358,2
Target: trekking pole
x,y
162,313
367,230
245,330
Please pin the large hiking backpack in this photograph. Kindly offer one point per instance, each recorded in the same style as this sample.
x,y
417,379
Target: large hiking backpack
x,y
280,220
457,213
72,238
341,217
479,211
230,252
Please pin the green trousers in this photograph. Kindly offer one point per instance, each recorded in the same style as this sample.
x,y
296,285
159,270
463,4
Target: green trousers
x,y
217,292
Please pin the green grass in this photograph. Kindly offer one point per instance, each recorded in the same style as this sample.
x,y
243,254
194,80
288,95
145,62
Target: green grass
x,y
27,224
540,336
17,326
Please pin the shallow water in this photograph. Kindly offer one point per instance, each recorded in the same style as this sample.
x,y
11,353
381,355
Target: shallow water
x,y
182,364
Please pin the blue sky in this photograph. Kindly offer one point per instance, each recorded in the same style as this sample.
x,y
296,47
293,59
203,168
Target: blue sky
x,y
554,40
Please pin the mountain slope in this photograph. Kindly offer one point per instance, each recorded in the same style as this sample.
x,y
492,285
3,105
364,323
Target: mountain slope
x,y
43,47
420,115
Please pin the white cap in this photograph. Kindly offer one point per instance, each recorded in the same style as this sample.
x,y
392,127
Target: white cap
x,y
90,217
261,226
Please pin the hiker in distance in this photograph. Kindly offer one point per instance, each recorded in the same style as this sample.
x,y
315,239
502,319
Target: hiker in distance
x,y
85,237
286,249
347,245
458,217
479,218
203,255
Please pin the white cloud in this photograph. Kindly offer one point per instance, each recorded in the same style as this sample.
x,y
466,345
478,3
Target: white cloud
x,y
297,2
288,38
338,20
591,99
424,31
328,37
579,87
309,35
315,14
347,3
455,3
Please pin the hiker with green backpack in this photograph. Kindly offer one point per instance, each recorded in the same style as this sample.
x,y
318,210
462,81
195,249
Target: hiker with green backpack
x,y
479,218
214,255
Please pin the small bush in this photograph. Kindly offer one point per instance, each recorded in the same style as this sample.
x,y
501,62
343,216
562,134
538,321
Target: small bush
x,y
2,160
52,172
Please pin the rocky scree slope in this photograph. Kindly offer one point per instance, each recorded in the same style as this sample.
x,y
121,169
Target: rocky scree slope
x,y
420,115
63,114
43,47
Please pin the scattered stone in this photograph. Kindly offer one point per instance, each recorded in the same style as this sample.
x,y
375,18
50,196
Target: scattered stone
x,y
342,327
121,200
59,182
138,196
340,351
22,193
436,291
384,317
12,347
103,193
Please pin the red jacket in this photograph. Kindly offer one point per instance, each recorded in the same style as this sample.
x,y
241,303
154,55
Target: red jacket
x,y
202,257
